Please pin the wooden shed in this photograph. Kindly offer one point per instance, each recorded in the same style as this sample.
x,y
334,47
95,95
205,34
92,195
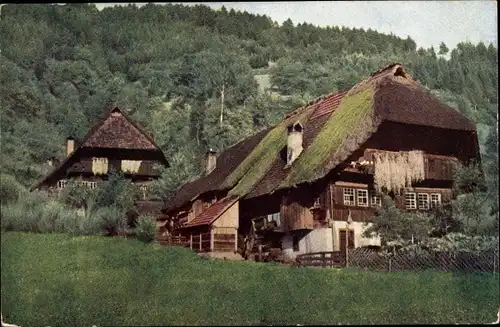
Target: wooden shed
x,y
215,228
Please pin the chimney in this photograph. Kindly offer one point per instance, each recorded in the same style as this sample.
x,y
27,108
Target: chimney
x,y
70,146
294,142
210,161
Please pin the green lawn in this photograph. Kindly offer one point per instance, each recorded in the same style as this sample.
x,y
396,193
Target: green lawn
x,y
59,280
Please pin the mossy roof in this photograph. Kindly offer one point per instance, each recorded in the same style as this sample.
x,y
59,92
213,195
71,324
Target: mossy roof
x,y
334,126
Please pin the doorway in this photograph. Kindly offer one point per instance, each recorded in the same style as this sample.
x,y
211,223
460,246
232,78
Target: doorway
x,y
343,241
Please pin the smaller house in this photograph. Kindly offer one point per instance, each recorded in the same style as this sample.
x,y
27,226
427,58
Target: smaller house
x,y
115,142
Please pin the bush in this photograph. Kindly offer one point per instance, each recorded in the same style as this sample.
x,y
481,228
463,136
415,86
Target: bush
x,y
10,188
146,229
112,220
23,214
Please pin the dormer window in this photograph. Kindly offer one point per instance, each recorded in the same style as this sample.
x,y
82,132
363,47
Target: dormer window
x,y
294,142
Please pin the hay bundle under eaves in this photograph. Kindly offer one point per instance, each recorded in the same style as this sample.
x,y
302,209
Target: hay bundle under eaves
x,y
396,170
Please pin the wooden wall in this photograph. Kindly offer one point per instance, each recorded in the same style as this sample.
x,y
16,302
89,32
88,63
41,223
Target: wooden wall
x,y
295,213
437,167
201,240
224,242
230,218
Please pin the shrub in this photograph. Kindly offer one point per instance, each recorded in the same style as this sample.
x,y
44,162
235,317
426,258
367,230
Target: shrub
x,y
10,188
112,220
146,228
66,222
49,214
23,214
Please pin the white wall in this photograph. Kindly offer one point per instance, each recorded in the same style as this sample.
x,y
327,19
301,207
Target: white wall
x,y
319,240
358,228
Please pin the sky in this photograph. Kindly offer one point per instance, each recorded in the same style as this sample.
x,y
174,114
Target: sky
x,y
428,23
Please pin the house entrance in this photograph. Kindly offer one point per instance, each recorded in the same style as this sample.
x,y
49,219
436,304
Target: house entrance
x,y
343,241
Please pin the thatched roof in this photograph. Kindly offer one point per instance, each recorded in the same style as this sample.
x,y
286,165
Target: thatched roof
x,y
335,126
114,130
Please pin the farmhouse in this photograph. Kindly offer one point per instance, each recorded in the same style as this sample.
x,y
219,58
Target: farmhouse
x,y
313,181
115,142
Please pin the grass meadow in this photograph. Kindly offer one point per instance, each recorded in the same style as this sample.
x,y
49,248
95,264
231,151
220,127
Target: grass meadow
x,y
63,280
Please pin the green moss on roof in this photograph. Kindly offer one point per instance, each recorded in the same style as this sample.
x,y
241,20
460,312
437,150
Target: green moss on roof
x,y
352,110
261,159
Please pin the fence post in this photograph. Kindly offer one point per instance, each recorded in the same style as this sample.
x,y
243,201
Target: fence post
x,y
347,258
494,264
390,262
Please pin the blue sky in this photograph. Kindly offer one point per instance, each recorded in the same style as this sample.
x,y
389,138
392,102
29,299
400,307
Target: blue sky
x,y
426,22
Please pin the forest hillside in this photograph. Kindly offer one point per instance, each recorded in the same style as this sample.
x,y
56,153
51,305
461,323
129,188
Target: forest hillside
x,y
199,78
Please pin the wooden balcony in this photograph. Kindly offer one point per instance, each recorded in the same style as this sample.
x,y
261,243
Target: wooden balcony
x,y
437,167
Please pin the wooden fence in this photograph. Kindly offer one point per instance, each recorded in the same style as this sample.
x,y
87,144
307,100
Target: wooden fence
x,y
321,259
451,261
413,261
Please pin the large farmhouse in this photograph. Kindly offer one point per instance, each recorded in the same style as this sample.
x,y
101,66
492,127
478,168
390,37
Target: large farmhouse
x,y
314,180
115,142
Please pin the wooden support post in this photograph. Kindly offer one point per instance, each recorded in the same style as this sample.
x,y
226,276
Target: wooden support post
x,y
235,240
191,241
212,236
200,242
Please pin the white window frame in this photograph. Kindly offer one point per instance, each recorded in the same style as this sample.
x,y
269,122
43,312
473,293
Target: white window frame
x,y
410,200
275,217
434,200
362,194
61,184
347,197
375,201
423,201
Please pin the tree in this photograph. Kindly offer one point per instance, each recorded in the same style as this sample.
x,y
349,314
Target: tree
x,y
219,70
471,206
395,226
443,49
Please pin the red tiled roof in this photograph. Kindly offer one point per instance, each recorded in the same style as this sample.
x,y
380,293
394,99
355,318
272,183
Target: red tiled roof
x,y
210,214
328,104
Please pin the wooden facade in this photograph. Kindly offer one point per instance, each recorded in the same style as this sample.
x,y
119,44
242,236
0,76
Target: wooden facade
x,y
209,225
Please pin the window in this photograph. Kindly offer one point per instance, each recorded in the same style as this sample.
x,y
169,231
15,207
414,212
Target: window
x,y
435,200
410,200
349,197
88,184
362,198
376,201
62,183
296,240
317,202
431,165
274,217
423,201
